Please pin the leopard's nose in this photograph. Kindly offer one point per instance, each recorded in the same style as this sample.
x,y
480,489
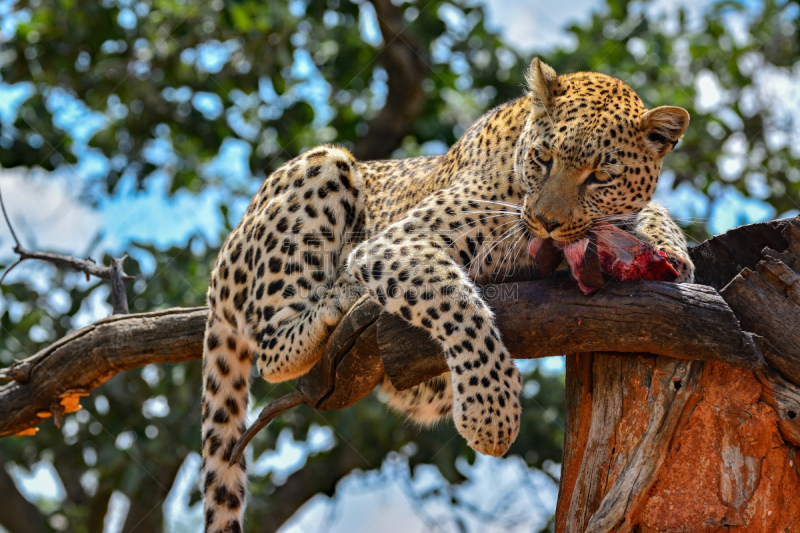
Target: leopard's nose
x,y
549,224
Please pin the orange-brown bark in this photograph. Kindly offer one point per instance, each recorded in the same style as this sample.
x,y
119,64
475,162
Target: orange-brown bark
x,y
728,468
723,465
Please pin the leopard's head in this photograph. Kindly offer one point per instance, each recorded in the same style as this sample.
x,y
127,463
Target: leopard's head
x,y
590,149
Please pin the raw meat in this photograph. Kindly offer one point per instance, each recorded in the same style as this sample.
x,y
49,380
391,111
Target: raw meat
x,y
606,250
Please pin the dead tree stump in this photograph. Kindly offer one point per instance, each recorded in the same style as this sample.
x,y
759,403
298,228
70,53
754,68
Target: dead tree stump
x,y
656,444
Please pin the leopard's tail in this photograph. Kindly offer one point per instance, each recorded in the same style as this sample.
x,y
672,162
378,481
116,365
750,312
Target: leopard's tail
x,y
226,371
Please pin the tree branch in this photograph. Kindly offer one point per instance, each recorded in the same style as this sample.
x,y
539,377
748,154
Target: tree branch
x,y
406,66
115,272
118,294
542,319
624,317
87,266
8,221
55,378
536,319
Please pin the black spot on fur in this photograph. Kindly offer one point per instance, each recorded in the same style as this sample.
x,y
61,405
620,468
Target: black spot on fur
x,y
275,286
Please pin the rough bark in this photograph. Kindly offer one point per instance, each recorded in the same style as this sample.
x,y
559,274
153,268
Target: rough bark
x,y
784,398
707,456
545,318
644,397
767,300
50,382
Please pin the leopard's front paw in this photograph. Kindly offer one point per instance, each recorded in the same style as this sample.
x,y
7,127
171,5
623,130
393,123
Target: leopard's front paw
x,y
681,262
486,407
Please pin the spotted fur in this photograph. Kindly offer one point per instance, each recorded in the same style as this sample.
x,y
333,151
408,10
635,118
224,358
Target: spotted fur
x,y
419,236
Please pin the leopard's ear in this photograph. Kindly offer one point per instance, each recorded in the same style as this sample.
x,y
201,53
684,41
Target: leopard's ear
x,y
663,127
543,83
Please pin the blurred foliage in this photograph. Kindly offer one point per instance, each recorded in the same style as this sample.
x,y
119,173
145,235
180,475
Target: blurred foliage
x,y
204,71
158,85
184,77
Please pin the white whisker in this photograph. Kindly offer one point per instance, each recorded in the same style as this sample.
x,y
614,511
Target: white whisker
x,y
498,202
507,246
469,228
487,212
495,242
511,252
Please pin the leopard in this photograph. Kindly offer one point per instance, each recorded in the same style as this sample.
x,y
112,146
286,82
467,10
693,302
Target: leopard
x,y
420,236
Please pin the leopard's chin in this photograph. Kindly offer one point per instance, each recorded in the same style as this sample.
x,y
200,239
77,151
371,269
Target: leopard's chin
x,y
570,238
559,238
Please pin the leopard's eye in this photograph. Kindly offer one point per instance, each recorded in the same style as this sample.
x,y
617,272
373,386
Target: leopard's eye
x,y
543,158
598,176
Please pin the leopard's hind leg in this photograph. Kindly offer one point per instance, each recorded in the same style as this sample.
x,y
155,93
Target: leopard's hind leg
x,y
291,345
304,291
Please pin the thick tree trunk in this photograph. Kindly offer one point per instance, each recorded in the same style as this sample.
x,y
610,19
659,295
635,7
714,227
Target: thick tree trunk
x,y
659,444
656,444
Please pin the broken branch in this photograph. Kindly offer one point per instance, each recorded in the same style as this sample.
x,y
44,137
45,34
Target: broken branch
x,y
115,272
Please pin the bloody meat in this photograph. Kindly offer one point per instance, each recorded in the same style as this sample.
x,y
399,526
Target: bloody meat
x,y
606,250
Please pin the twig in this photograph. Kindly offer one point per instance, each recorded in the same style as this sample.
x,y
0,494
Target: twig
x,y
19,371
9,269
272,410
8,222
87,266
118,286
58,413
115,272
